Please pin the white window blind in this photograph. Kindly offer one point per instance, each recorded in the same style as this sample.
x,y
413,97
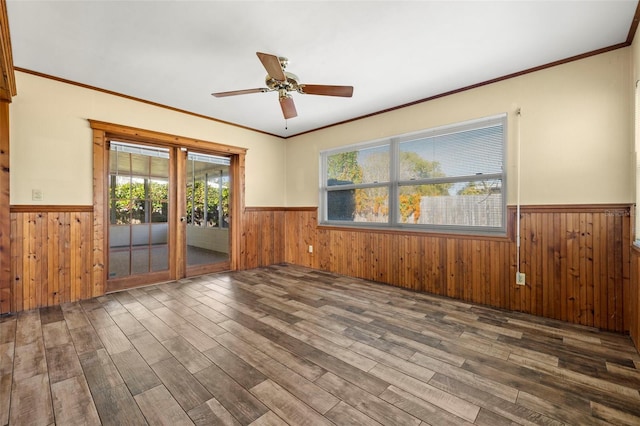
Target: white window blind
x,y
450,178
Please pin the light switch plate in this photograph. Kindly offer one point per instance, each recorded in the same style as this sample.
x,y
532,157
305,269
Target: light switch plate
x,y
36,195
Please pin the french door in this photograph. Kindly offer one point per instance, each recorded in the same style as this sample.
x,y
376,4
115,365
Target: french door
x,y
168,213
206,214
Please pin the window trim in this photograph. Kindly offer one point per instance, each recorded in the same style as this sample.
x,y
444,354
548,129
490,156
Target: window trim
x,y
394,183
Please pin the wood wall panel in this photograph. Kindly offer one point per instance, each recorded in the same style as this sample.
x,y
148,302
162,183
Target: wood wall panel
x,y
51,258
262,238
576,260
634,297
577,265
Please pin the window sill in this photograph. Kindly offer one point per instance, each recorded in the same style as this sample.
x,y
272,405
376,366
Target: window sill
x,y
422,232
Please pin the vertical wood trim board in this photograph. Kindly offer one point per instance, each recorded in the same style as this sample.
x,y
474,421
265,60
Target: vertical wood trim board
x,y
99,247
238,168
5,226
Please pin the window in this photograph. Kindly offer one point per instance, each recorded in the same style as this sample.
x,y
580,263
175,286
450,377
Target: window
x,y
449,179
207,190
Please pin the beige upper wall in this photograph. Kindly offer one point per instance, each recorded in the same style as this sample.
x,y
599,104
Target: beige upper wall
x,y
51,142
635,86
576,136
575,131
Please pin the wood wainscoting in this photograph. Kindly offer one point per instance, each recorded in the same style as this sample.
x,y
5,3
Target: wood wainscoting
x,y
633,298
51,248
576,260
51,256
263,238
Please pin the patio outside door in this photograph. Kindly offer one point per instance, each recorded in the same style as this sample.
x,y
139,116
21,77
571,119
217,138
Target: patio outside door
x,y
206,217
148,240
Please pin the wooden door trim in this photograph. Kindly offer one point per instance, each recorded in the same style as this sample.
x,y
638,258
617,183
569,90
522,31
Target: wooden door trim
x,y
179,207
236,205
103,132
5,214
196,270
133,281
137,135
100,211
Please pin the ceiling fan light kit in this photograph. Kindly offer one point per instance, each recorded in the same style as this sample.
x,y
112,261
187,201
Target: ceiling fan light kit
x,y
284,82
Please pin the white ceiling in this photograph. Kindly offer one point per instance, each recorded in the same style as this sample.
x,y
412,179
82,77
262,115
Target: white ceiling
x,y
176,53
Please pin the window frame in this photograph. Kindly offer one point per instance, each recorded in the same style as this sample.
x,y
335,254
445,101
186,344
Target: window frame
x,y
394,184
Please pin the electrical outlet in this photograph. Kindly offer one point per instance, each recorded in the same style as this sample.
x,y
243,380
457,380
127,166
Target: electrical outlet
x,y
520,278
310,249
36,195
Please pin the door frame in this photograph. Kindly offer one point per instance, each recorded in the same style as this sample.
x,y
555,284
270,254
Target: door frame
x,y
102,133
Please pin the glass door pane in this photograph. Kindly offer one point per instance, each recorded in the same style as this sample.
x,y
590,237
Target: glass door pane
x,y
138,210
207,215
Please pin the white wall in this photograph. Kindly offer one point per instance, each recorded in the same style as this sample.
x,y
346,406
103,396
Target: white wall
x,y
215,239
51,142
576,133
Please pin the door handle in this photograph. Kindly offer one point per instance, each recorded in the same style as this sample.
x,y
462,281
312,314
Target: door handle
x,y
183,219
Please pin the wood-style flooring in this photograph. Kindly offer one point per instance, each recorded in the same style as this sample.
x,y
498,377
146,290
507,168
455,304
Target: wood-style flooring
x,y
290,345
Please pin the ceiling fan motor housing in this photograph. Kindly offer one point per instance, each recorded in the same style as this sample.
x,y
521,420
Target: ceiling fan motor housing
x,y
291,84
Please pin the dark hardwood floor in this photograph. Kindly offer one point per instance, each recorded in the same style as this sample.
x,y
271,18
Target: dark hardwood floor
x,y
289,345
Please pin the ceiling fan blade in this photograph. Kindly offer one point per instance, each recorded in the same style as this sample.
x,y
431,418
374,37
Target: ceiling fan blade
x,y
272,64
240,92
322,89
288,107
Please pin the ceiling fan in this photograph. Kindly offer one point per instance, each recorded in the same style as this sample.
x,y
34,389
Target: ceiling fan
x,y
284,82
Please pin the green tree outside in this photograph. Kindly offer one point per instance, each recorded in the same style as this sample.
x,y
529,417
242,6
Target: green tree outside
x,y
196,204
129,202
373,202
